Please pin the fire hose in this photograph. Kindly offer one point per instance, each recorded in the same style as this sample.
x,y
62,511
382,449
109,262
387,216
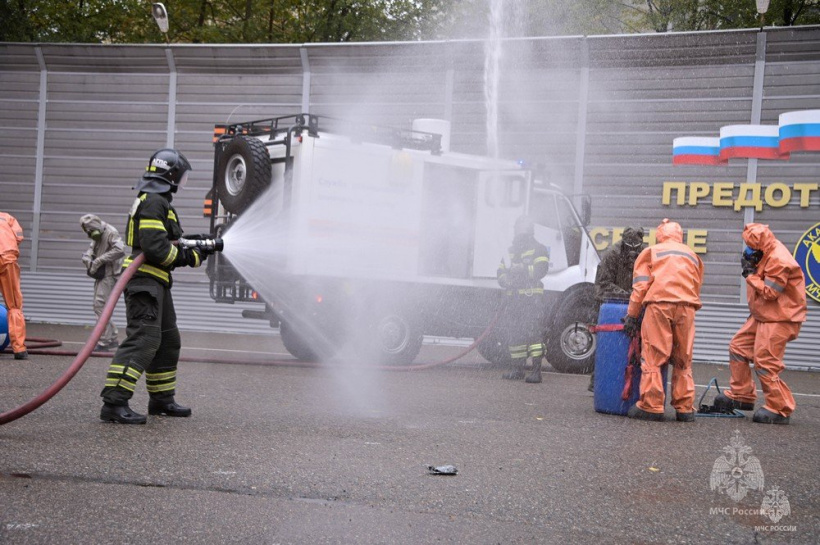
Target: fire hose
x,y
82,356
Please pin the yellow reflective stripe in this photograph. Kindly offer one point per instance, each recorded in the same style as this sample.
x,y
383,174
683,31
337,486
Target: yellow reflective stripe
x,y
148,269
133,373
171,215
130,240
161,387
160,376
171,257
114,368
153,271
528,252
540,259
197,262
152,224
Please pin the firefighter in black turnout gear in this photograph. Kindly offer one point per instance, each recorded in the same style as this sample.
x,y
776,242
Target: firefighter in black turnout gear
x,y
153,342
525,311
614,277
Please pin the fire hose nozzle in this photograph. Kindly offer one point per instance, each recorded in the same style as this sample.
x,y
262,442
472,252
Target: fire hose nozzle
x,y
208,245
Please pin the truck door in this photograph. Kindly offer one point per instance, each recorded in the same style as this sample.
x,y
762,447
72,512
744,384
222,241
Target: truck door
x,y
502,197
544,211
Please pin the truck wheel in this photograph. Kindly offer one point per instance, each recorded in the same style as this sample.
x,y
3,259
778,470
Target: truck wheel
x,y
295,344
392,338
494,349
570,343
243,173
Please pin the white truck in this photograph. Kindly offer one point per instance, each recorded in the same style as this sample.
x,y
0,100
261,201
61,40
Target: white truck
x,y
390,236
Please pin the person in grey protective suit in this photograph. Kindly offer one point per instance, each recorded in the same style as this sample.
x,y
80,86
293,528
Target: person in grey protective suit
x,y
103,261
614,277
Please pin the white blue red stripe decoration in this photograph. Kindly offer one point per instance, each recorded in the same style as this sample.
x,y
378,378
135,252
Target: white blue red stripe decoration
x,y
751,142
696,150
800,131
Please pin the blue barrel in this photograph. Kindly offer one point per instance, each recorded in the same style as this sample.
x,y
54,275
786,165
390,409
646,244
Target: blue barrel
x,y
611,358
4,328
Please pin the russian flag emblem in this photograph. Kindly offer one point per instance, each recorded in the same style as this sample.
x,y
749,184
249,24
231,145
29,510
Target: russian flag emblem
x,y
800,131
696,150
751,142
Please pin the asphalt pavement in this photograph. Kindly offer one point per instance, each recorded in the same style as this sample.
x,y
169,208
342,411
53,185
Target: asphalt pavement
x,y
278,452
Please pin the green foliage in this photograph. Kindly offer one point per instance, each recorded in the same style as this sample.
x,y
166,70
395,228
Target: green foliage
x,y
299,21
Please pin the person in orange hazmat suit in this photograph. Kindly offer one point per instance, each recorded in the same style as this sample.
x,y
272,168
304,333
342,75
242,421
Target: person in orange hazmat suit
x,y
11,235
775,289
666,283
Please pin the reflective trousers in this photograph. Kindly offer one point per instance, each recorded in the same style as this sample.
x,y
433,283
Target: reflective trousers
x,y
523,325
102,291
151,345
764,344
668,335
13,298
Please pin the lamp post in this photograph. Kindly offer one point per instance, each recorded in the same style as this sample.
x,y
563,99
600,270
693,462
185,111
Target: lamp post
x,y
762,8
161,17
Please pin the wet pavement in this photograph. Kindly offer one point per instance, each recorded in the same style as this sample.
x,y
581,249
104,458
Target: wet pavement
x,y
277,453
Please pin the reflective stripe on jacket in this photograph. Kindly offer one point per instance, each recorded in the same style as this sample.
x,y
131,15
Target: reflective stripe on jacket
x,y
666,272
152,225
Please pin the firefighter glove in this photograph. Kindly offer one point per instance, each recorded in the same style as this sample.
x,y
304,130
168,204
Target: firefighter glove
x,y
518,275
632,326
189,257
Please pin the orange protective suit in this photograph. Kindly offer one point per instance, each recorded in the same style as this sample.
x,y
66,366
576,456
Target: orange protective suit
x,y
777,303
666,281
11,234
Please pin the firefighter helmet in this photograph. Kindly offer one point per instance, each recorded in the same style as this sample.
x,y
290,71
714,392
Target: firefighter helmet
x,y
524,226
169,166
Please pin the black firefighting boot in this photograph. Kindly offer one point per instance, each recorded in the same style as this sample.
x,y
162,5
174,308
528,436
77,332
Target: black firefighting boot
x,y
516,371
121,414
534,376
765,416
167,407
640,414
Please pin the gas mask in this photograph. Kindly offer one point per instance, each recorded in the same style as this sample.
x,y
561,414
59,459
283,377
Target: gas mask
x,y
632,242
752,256
95,234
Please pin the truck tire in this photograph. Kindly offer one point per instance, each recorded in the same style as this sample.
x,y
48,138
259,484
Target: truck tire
x,y
392,338
570,343
243,173
494,349
295,344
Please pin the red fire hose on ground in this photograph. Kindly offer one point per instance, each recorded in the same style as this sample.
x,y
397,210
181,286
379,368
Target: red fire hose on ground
x,y
82,356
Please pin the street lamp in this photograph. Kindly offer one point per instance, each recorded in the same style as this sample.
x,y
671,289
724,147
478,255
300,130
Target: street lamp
x,y
762,8
161,17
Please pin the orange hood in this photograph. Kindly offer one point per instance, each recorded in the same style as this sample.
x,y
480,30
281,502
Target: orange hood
x,y
669,230
758,236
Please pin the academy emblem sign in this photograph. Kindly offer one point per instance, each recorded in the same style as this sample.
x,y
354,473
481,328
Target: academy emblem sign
x,y
807,255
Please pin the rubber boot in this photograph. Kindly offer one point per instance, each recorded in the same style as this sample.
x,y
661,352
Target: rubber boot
x,y
765,416
167,407
534,376
121,414
516,371
685,417
640,414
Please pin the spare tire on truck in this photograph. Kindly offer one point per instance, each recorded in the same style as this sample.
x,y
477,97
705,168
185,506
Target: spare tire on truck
x,y
243,173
